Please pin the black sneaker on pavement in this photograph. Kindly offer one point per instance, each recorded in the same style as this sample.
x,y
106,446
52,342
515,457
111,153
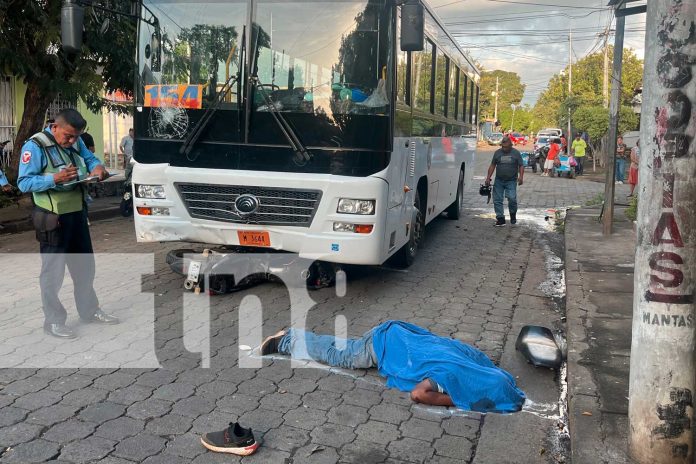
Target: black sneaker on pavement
x,y
513,219
235,439
499,222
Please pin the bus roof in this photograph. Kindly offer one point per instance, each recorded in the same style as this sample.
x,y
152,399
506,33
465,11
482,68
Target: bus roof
x,y
440,23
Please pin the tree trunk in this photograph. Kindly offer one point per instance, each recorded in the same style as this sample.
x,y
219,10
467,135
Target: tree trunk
x,y
36,103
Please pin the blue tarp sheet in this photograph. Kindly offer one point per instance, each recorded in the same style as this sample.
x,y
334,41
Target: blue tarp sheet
x,y
407,354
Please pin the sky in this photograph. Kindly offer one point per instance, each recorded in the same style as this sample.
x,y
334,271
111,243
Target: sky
x,y
530,37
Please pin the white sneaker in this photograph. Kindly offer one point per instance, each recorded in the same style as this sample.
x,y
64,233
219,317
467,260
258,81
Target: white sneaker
x,y
619,182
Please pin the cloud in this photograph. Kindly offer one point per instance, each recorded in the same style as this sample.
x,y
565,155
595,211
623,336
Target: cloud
x,y
532,40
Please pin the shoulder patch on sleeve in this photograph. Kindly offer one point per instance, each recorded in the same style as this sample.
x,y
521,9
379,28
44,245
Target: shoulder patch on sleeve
x,y
26,157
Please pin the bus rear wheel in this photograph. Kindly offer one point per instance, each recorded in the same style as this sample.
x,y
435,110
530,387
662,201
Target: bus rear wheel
x,y
407,254
454,211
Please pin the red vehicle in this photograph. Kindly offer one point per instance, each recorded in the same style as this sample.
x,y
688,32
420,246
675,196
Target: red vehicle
x,y
517,138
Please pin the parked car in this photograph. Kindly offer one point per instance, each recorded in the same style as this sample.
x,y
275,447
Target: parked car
x,y
495,138
542,141
553,131
518,139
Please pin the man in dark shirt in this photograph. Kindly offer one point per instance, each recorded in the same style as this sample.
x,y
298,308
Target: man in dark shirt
x,y
507,164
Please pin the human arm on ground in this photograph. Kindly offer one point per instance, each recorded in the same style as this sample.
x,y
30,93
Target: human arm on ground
x,y
425,393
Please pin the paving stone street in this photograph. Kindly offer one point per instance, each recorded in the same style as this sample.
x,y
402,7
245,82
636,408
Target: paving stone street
x,y
471,281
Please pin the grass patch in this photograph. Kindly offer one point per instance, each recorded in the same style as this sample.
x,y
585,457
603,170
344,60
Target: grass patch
x,y
632,210
596,200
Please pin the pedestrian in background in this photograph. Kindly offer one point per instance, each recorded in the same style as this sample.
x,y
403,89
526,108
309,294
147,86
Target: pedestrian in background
x,y
50,162
88,141
554,151
578,150
620,161
508,165
633,169
4,183
127,149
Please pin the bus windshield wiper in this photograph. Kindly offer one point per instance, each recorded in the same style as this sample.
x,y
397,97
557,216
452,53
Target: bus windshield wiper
x,y
202,123
301,153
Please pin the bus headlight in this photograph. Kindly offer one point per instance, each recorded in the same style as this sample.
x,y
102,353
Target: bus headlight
x,y
351,206
153,192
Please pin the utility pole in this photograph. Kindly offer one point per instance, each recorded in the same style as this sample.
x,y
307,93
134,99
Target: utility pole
x,y
662,375
495,115
512,125
605,86
614,105
569,136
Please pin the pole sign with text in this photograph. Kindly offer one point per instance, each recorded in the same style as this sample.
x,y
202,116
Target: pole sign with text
x,y
663,379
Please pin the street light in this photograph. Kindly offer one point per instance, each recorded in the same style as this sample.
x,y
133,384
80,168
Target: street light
x,y
512,125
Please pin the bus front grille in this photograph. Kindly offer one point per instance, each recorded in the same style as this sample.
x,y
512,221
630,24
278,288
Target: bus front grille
x,y
277,206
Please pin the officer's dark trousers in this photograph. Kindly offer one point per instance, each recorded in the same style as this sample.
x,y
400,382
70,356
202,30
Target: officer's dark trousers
x,y
69,245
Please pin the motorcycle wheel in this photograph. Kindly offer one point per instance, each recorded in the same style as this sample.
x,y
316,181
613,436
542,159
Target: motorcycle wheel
x,y
126,207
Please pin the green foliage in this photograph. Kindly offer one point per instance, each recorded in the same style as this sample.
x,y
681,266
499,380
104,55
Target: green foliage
x,y
587,88
595,120
596,200
632,210
30,50
522,122
510,89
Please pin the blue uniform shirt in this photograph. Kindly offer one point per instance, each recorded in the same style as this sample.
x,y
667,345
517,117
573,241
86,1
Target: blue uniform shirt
x,y
33,161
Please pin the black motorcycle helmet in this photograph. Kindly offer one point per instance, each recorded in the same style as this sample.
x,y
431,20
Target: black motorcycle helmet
x,y
485,191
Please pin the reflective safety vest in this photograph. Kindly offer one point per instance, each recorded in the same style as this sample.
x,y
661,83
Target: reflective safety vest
x,y
61,199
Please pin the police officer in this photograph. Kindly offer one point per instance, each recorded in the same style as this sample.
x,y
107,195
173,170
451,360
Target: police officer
x,y
50,163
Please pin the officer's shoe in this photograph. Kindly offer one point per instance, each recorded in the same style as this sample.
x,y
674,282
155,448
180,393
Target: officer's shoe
x,y
59,331
101,317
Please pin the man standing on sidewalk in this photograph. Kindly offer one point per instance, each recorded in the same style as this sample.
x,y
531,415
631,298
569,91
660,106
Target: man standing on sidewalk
x,y
578,150
620,161
507,164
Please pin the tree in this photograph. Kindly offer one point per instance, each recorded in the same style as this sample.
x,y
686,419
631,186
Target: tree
x,y
595,121
30,49
523,119
510,90
552,105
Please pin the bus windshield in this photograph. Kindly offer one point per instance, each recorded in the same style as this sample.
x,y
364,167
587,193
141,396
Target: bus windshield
x,y
322,60
322,57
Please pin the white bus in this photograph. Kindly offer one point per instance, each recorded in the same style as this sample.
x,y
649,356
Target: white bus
x,y
300,126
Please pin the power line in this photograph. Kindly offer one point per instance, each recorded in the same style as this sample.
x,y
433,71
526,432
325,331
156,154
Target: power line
x,y
549,4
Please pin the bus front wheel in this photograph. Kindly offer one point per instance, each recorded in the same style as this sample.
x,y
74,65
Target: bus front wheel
x,y
407,254
454,211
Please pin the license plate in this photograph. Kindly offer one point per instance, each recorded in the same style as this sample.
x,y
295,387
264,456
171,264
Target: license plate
x,y
194,271
257,239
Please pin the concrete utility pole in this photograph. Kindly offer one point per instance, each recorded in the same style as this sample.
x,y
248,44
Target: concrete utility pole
x,y
614,107
605,85
495,114
662,377
569,136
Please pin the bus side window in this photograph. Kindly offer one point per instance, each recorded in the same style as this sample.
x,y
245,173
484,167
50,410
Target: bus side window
x,y
403,71
422,77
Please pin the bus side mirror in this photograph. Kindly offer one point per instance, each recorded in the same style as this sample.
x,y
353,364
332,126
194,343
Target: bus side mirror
x,y
412,27
72,18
